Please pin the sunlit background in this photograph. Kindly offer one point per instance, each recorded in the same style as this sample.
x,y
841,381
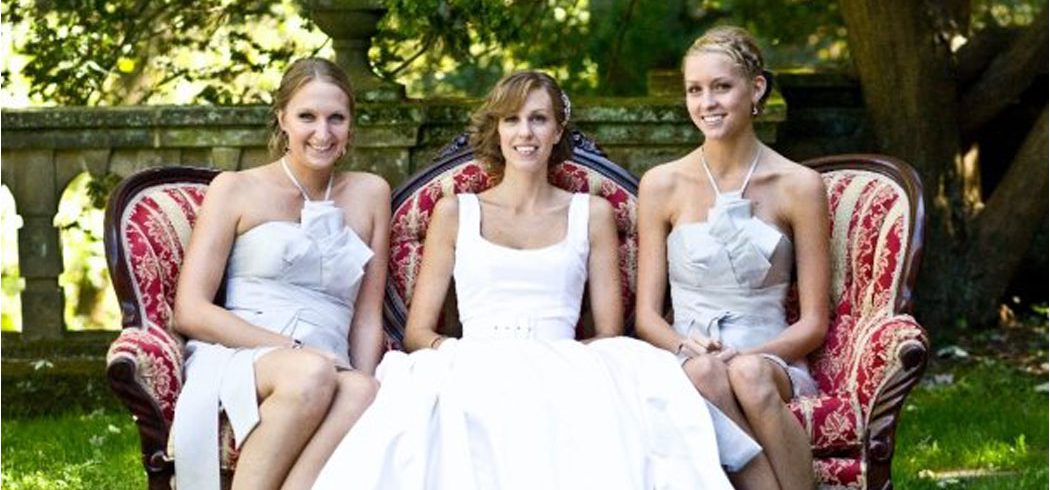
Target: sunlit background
x,y
233,52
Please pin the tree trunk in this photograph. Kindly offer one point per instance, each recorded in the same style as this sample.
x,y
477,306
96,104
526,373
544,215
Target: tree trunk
x,y
1008,223
1006,77
909,91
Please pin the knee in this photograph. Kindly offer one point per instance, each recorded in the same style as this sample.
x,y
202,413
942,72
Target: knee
x,y
751,378
708,374
308,381
359,388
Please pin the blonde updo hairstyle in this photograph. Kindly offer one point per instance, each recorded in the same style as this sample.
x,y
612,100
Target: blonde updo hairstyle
x,y
506,98
739,46
301,72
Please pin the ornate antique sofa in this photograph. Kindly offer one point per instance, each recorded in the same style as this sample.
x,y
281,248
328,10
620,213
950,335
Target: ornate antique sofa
x,y
873,356
874,352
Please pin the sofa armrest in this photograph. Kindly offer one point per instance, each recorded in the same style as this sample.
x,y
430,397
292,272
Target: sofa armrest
x,y
144,369
907,349
885,350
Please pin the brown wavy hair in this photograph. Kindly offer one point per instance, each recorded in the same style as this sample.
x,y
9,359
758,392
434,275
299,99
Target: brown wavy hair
x,y
739,46
301,72
505,99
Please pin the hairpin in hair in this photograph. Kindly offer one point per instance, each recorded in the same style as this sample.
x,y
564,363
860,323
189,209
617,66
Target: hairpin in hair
x,y
567,107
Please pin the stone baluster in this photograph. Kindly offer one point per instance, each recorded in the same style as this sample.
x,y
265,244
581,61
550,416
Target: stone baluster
x,y
36,192
351,25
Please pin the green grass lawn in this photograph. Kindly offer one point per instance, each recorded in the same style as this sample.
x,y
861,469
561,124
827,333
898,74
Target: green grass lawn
x,y
974,423
987,429
98,450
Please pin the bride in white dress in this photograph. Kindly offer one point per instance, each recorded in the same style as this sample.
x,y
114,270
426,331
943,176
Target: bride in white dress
x,y
303,248
517,403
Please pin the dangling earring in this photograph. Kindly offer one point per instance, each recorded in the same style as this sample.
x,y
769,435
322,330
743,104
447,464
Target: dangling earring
x,y
754,109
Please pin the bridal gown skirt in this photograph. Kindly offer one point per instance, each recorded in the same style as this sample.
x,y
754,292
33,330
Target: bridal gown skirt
x,y
533,414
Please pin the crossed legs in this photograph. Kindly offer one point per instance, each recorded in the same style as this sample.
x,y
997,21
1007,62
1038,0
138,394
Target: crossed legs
x,y
305,408
752,391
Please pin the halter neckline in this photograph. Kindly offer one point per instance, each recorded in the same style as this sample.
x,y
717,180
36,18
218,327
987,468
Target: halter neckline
x,y
747,179
302,190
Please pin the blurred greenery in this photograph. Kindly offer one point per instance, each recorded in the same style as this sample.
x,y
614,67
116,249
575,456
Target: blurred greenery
x,y
126,52
90,300
107,52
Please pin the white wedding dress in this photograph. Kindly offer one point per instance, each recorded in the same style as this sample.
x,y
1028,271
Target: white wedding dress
x,y
518,404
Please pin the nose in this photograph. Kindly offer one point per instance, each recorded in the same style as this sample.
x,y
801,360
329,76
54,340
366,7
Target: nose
x,y
707,100
525,130
322,130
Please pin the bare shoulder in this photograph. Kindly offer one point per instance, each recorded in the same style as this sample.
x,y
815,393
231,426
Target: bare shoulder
x,y
661,178
368,185
600,209
230,187
798,181
446,212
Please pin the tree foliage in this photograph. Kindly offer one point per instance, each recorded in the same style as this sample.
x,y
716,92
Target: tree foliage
x,y
601,47
110,52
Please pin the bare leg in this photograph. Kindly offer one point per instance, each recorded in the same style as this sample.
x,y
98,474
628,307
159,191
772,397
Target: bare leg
x,y
354,392
762,388
295,389
710,376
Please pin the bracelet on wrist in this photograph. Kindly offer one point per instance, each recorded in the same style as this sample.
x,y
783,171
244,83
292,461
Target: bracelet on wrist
x,y
296,344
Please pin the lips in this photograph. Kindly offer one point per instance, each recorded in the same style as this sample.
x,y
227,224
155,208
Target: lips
x,y
713,119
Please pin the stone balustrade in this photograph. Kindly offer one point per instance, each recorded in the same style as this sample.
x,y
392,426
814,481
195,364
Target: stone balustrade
x,y
44,149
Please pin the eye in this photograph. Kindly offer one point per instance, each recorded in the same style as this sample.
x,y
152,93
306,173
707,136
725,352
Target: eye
x,y
723,86
510,119
538,118
337,118
306,116
692,89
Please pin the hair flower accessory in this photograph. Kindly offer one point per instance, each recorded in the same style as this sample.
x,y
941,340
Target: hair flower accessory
x,y
567,107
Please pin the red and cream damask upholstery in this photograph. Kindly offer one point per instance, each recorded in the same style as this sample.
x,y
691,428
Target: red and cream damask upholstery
x,y
874,352
147,227
455,171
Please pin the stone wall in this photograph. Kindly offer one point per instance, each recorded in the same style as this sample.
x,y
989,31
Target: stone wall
x,y
44,149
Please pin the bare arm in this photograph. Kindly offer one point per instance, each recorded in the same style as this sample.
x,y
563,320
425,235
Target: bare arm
x,y
653,226
366,330
435,275
196,316
808,213
603,271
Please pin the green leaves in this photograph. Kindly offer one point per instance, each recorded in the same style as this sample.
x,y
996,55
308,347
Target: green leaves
x,y
117,52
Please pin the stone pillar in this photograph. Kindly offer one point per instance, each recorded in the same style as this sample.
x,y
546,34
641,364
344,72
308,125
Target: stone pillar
x,y
36,196
351,25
